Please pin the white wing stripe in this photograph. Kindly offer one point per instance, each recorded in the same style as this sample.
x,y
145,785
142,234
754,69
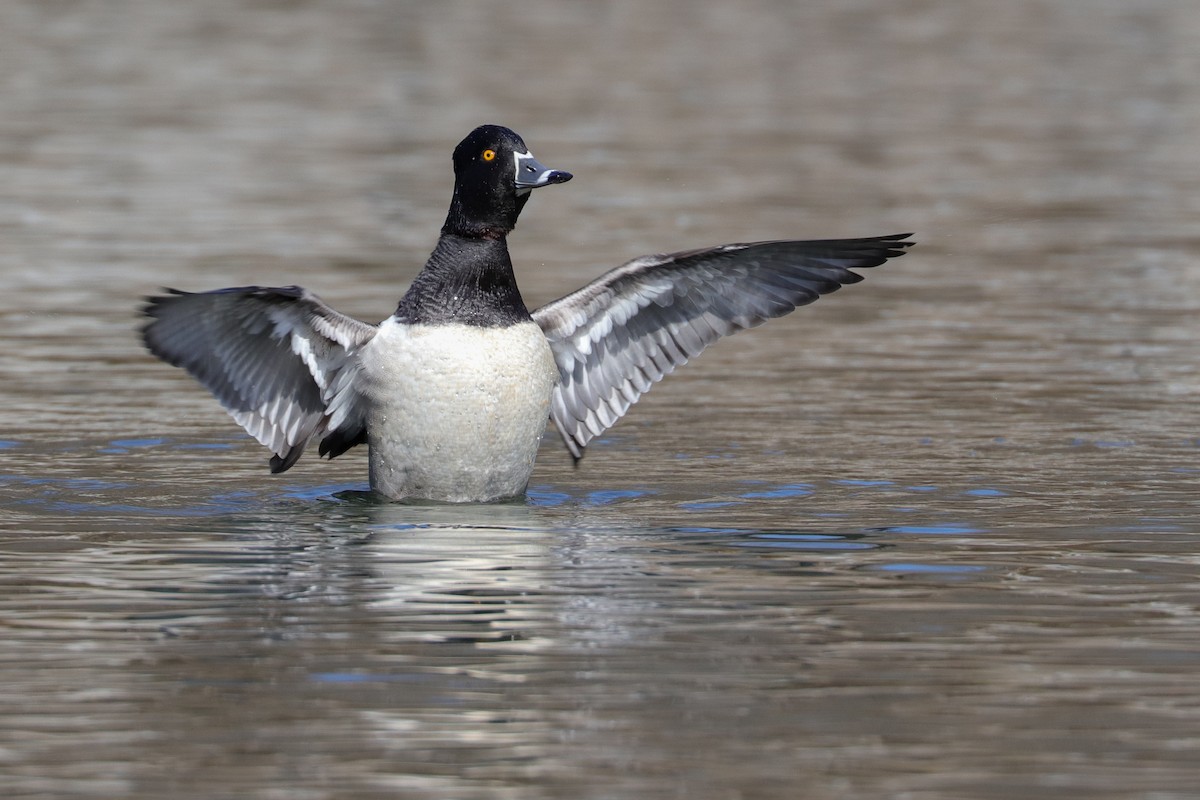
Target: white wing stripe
x,y
270,356
617,336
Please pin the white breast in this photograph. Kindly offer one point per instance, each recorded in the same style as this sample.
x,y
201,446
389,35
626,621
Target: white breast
x,y
456,411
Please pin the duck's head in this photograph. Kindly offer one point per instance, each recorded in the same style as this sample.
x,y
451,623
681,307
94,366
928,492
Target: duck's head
x,y
494,173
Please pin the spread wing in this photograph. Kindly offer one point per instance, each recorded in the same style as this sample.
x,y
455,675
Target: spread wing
x,y
278,359
619,335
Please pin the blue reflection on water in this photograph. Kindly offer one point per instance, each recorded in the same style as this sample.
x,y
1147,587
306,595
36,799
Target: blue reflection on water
x,y
367,677
604,497
788,490
137,442
545,497
1101,443
937,530
87,496
333,491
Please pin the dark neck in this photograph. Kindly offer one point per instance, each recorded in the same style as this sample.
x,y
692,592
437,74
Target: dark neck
x,y
487,213
468,280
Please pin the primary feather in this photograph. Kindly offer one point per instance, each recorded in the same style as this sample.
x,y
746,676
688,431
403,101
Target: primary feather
x,y
616,337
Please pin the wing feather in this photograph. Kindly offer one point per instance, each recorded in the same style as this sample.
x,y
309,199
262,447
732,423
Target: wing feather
x,y
619,335
279,360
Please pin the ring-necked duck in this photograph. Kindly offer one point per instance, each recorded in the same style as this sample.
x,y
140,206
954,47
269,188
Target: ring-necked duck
x,y
452,392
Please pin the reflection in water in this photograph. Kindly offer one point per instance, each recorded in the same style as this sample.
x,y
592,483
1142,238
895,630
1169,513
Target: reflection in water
x,y
448,650
932,538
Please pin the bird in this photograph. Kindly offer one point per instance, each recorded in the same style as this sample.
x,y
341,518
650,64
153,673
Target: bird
x,y
452,392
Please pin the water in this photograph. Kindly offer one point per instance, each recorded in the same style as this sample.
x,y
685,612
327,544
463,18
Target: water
x,y
933,537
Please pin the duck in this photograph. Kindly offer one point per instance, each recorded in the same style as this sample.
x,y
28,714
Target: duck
x,y
452,392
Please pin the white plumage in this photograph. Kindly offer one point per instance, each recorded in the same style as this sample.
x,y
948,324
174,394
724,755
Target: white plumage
x,y
455,412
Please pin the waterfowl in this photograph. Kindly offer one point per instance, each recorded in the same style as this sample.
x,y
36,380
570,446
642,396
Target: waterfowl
x,y
452,392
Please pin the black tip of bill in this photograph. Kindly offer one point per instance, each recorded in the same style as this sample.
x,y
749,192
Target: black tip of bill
x,y
531,173
557,176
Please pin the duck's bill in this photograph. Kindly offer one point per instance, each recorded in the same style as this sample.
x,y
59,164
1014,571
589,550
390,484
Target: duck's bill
x,y
531,173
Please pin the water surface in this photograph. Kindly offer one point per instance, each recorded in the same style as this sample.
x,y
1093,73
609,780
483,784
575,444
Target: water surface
x,y
933,537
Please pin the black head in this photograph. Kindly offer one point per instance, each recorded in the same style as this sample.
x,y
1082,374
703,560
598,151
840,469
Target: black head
x,y
493,176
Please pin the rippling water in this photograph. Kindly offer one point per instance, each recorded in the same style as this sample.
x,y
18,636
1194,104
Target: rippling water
x,y
933,537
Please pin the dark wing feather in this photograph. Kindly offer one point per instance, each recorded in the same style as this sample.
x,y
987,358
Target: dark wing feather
x,y
619,335
278,359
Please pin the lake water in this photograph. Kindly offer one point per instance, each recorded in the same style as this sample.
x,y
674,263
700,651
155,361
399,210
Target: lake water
x,y
935,537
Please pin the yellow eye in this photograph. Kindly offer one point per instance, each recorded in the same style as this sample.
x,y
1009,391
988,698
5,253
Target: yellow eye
x,y
489,155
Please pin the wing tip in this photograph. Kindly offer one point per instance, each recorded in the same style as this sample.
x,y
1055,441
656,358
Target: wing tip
x,y
898,244
287,460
